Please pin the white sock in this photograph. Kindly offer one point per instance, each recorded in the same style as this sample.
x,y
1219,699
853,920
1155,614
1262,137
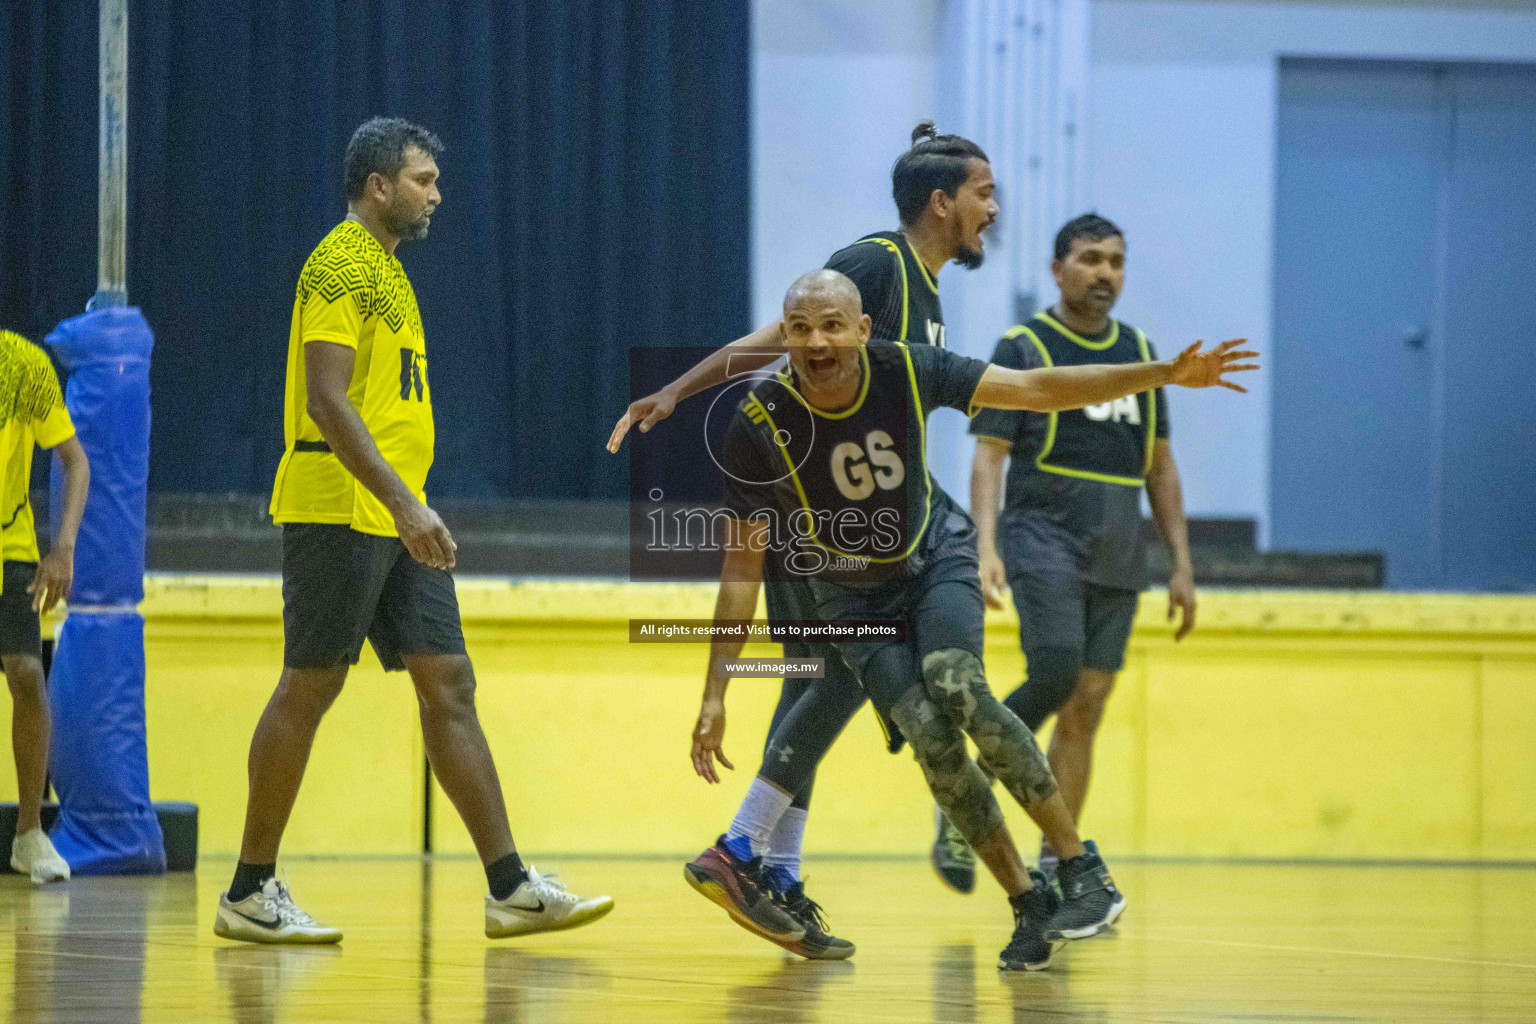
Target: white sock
x,y
759,814
784,844
1047,855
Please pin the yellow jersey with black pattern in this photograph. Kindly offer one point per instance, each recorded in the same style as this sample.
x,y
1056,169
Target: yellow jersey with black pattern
x,y
18,531
29,389
351,292
31,412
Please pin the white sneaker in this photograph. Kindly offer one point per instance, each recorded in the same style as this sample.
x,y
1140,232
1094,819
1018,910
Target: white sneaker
x,y
541,905
270,915
33,854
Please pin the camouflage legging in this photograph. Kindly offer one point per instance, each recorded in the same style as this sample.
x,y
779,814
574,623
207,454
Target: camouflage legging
x,y
956,682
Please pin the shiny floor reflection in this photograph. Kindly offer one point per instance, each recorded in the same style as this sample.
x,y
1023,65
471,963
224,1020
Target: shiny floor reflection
x,y
1200,943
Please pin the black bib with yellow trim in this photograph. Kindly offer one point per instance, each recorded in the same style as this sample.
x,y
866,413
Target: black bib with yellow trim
x,y
918,319
1112,442
856,494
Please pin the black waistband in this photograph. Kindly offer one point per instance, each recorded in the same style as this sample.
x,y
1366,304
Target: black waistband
x,y
311,446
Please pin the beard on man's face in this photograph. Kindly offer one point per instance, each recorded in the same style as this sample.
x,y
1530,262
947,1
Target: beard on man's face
x,y
970,258
408,228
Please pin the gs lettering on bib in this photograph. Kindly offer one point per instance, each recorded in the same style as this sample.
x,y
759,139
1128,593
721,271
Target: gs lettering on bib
x,y
857,478
852,484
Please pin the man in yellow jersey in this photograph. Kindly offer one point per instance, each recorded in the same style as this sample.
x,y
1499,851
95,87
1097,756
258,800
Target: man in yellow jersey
x,y
32,586
364,555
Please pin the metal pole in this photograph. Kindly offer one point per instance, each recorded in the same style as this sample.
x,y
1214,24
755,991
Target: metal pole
x,y
112,168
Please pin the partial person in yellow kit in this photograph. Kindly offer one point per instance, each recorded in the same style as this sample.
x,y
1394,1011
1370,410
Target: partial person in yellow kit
x,y
31,586
364,556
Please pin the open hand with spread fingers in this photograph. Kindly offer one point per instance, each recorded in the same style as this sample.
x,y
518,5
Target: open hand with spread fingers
x,y
1195,368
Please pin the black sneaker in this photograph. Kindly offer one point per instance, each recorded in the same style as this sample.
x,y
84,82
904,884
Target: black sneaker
x,y
1089,900
1028,950
952,857
742,890
1093,848
806,912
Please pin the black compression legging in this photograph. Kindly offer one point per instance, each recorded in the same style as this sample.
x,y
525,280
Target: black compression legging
x,y
813,712
1052,676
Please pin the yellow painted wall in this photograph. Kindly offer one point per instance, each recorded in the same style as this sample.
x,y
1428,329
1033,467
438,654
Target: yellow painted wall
x,y
1289,725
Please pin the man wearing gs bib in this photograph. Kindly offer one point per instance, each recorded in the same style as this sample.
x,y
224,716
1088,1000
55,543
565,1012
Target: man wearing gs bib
x,y
880,540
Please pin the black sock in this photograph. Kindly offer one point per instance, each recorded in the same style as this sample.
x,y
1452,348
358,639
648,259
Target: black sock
x,y
249,878
505,875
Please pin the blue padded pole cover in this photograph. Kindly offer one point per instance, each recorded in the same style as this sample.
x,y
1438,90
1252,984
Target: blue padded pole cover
x,y
99,758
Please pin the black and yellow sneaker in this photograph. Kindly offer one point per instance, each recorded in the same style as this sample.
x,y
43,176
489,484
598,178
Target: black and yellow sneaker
x,y
743,891
817,943
1089,900
952,857
1028,950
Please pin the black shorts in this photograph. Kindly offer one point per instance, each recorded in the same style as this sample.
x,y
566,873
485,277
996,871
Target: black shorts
x,y
1059,605
1066,611
942,606
20,630
830,701
340,586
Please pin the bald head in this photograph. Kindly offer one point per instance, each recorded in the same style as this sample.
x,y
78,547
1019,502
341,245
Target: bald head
x,y
824,288
824,327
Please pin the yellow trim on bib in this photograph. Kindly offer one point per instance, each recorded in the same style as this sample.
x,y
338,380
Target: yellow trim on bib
x,y
922,445
1078,339
922,269
858,403
1146,357
805,503
1050,428
902,263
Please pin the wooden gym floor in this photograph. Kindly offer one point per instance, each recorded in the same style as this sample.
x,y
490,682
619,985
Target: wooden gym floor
x,y
1206,942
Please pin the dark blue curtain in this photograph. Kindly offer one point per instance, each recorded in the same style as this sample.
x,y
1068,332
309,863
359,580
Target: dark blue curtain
x,y
595,197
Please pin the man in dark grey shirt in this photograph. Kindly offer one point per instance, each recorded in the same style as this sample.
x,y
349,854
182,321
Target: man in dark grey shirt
x,y
1069,541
